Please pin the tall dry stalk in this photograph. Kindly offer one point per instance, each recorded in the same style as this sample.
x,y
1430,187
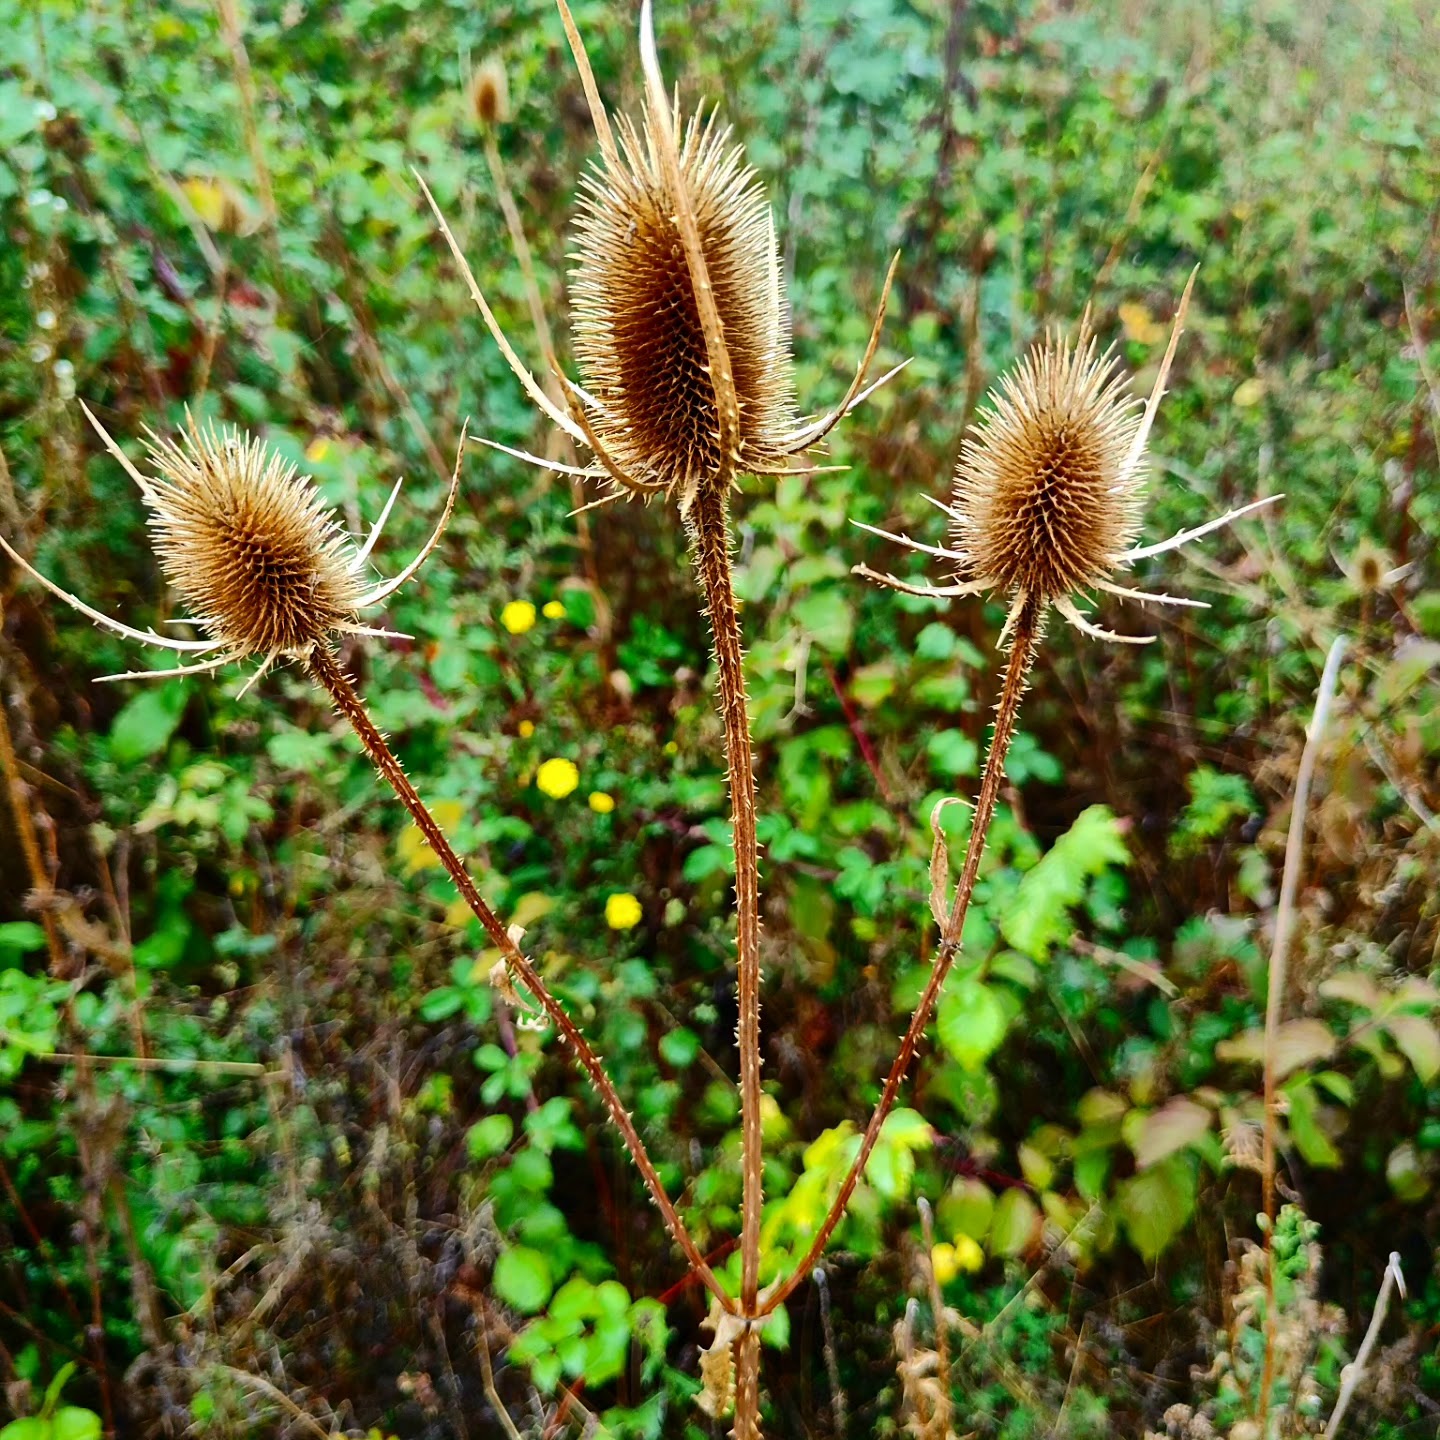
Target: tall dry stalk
x,y
681,336
1275,991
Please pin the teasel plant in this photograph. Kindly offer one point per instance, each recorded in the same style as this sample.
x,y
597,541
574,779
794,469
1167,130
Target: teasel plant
x,y
268,573
680,333
1045,508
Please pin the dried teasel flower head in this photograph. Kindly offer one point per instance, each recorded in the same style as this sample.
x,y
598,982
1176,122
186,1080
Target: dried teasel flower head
x,y
1049,488
489,93
681,325
640,338
260,561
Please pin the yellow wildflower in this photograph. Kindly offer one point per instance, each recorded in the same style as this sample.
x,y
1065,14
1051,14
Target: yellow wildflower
x,y
601,803
942,1259
968,1254
518,616
525,729
553,610
557,778
671,748
623,912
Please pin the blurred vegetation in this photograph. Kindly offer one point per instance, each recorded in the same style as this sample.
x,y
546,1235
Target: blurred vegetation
x,y
351,1191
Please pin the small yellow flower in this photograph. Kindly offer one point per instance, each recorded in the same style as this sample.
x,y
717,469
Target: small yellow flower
x,y
601,803
671,748
557,778
518,616
968,1254
942,1259
525,729
623,912
553,610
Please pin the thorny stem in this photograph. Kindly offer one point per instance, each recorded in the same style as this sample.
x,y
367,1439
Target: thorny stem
x,y
710,532
1024,644
1275,989
328,673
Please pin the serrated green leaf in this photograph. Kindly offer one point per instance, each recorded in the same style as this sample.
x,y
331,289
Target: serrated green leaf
x,y
522,1279
1037,918
970,1021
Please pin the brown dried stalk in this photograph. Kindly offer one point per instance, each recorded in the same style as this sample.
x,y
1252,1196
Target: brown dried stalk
x,y
1275,989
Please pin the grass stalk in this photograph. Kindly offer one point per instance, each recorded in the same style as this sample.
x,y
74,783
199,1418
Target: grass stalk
x,y
1275,993
329,674
1026,640
709,524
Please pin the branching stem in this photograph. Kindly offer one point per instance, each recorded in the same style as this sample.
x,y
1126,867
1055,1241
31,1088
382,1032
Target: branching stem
x,y
329,674
1026,639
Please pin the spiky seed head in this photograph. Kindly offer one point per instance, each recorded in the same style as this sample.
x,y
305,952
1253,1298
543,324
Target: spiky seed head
x,y
490,93
260,561
1047,495
638,336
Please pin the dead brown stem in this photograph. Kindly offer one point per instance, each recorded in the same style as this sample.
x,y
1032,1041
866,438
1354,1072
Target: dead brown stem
x,y
1275,990
709,524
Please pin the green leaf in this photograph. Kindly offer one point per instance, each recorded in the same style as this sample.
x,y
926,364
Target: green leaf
x,y
489,1136
145,724
1419,1042
1037,919
1156,1204
827,616
28,1429
971,1022
522,1279
56,1386
1173,1127
1014,1224
952,753
1297,1043
1305,1127
22,936
73,1423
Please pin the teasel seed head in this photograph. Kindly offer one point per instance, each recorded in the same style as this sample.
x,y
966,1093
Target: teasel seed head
x,y
681,328
489,94
1044,499
638,334
1049,487
259,559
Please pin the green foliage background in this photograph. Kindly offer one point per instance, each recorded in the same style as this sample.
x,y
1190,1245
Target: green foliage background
x,y
367,1182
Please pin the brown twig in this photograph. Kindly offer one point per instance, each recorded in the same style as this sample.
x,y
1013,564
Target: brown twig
x,y
1025,643
331,677
40,880
1275,990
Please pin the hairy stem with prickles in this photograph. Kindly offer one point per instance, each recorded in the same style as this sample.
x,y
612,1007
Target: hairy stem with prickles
x,y
1022,652
709,524
330,676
